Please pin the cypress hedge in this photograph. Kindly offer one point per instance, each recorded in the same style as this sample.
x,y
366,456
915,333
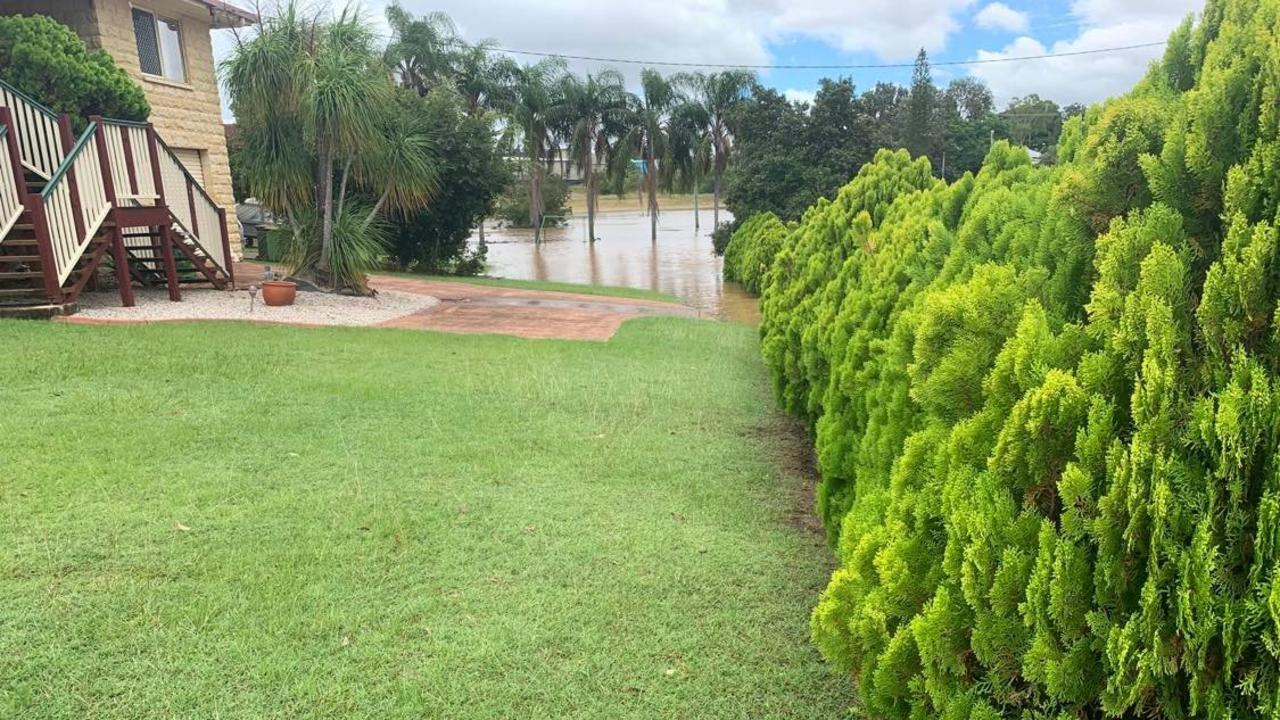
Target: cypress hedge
x,y
1046,404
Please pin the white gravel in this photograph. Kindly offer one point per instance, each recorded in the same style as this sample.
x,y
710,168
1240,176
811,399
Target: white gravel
x,y
205,304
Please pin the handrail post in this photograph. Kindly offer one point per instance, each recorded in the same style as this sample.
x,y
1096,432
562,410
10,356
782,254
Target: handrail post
x,y
191,203
15,155
226,248
44,246
118,256
170,267
166,231
68,141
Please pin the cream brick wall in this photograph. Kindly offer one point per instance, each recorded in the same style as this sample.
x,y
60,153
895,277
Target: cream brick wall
x,y
185,115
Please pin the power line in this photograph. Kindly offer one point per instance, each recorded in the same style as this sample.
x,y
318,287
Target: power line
x,y
861,66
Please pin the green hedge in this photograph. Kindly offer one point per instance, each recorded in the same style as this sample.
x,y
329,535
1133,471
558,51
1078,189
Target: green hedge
x,y
46,60
1046,406
751,249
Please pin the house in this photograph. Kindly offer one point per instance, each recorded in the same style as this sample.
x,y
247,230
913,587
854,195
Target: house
x,y
167,47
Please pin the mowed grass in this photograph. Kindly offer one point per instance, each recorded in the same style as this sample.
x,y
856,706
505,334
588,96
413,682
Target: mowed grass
x,y
239,521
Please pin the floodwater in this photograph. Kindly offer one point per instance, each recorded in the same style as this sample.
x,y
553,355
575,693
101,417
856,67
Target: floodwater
x,y
680,263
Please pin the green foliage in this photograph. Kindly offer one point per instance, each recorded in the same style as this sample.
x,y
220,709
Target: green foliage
x,y
326,134
1045,405
49,62
750,251
513,204
472,176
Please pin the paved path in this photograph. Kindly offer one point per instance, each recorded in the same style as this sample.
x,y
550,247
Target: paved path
x,y
484,309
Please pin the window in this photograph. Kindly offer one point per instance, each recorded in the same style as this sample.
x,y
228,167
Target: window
x,y
159,46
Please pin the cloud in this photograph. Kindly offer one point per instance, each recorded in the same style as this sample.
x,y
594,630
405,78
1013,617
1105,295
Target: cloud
x,y
998,16
890,29
1086,78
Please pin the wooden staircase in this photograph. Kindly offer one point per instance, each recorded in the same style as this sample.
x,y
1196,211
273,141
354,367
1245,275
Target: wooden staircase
x,y
116,198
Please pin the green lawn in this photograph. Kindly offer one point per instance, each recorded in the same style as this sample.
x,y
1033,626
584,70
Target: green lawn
x,y
241,521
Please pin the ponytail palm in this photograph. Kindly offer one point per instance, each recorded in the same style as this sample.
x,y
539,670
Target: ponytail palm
x,y
326,145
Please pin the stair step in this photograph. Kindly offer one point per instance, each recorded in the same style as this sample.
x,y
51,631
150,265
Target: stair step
x,y
19,258
20,275
21,292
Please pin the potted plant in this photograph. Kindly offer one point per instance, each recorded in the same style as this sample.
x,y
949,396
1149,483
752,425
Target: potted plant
x,y
277,292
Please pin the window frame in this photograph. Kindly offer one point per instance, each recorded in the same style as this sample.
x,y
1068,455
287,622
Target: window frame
x,y
156,19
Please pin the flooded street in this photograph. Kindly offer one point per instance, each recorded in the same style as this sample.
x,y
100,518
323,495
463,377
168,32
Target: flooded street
x,y
680,263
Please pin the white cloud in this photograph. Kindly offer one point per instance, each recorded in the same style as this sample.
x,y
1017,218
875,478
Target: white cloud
x,y
998,16
797,95
1087,78
890,29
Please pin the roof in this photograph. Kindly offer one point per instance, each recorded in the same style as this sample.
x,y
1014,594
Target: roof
x,y
226,15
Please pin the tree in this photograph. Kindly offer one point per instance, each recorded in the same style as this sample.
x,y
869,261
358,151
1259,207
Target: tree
x,y
772,170
531,107
423,50
472,175
920,133
49,62
1034,122
327,146
690,149
595,108
648,133
719,93
969,98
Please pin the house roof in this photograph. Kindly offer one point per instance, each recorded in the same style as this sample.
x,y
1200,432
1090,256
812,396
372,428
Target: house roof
x,y
227,15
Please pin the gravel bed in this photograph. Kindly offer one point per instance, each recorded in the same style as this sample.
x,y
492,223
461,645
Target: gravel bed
x,y
312,308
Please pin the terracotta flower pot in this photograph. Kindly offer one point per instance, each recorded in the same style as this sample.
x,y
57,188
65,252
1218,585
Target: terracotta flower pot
x,y
279,292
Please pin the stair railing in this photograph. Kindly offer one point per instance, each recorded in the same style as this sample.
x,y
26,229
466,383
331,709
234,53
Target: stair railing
x,y
195,213
36,127
74,204
128,151
11,207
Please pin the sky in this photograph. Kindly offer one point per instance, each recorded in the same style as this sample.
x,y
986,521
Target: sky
x,y
833,32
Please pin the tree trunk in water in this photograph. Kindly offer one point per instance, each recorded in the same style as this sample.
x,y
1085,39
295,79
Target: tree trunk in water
x,y
651,177
481,230
590,179
697,220
715,202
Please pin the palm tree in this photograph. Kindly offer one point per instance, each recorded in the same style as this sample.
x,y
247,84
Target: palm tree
x,y
690,149
484,80
317,112
531,108
595,108
719,93
648,133
422,49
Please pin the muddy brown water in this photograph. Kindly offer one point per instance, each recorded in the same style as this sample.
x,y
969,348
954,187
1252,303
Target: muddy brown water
x,y
679,263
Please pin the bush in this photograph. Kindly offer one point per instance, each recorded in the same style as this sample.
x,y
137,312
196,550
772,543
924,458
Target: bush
x,y
47,61
750,251
513,204
1045,403
472,174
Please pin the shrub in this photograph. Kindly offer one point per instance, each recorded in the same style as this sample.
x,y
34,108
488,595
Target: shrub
x,y
1045,403
47,61
750,251
513,204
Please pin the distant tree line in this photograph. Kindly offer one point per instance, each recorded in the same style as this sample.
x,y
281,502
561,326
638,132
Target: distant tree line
x,y
789,154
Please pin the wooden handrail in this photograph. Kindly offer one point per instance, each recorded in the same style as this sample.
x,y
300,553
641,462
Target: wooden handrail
x,y
70,160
